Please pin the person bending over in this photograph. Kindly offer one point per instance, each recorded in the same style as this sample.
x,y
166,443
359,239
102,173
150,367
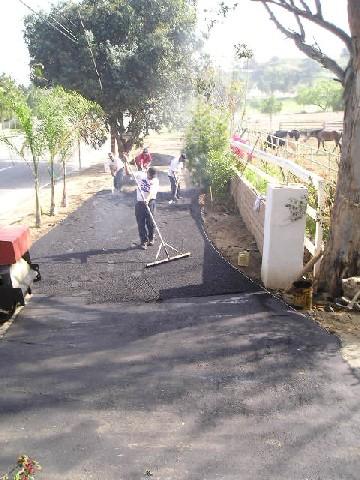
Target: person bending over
x,y
117,170
143,160
174,174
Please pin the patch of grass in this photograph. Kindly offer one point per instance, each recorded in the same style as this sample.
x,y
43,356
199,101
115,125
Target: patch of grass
x,y
259,183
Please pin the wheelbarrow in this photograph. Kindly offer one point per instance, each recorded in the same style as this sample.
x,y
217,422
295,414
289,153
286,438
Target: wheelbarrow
x,y
17,272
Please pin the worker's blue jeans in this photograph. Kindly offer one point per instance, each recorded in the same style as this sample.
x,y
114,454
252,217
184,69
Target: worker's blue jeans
x,y
118,179
144,221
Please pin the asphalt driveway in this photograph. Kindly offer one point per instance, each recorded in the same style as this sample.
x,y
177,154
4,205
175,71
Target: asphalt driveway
x,y
184,372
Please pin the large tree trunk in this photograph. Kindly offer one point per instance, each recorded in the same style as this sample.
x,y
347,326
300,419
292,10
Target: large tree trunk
x,y
37,195
113,139
342,254
120,144
124,145
52,188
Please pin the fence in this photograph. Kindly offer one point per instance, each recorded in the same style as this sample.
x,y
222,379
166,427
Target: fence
x,y
307,126
8,124
313,245
322,162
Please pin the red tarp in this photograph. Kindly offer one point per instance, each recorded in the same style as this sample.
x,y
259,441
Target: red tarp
x,y
14,242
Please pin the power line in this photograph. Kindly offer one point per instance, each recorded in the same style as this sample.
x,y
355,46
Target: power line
x,y
68,34
68,31
72,38
91,51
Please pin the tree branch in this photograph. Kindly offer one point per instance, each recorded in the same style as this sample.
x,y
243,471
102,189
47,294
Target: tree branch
x,y
305,5
309,50
301,27
319,8
315,18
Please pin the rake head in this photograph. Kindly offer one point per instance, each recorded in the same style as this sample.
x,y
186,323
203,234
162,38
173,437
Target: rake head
x,y
168,259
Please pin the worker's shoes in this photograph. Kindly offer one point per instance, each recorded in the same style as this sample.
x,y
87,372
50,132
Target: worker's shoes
x,y
150,243
143,246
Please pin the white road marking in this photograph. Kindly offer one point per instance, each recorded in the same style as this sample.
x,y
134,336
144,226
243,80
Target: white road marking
x,y
6,168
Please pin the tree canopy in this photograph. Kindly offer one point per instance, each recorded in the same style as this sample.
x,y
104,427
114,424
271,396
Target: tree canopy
x,y
132,57
326,94
284,75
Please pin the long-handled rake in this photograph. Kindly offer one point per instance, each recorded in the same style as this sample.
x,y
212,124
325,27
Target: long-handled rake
x,y
163,245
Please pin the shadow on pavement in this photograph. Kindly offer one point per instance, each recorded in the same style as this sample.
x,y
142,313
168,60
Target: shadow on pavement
x,y
225,375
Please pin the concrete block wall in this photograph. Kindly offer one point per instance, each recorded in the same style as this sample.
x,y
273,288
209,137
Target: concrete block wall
x,y
245,197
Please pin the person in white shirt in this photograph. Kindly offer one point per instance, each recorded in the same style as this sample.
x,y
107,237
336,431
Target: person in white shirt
x,y
174,173
148,187
117,170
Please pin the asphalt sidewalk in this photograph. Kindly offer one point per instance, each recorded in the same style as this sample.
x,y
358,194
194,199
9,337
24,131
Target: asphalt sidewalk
x,y
95,252
184,372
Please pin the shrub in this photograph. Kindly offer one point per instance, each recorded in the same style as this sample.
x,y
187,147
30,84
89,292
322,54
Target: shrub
x,y
25,469
208,148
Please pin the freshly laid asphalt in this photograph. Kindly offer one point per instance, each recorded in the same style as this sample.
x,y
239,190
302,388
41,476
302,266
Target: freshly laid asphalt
x,y
184,372
96,251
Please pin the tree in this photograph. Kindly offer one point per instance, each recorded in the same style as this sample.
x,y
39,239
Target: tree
x,y
271,106
6,83
133,57
207,147
85,121
236,98
325,94
219,89
67,117
245,54
342,252
14,99
49,109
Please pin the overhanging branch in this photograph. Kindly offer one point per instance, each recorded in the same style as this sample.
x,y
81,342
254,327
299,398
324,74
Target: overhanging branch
x,y
316,18
309,50
319,8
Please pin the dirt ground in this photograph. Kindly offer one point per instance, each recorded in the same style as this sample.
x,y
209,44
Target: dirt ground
x,y
346,326
229,234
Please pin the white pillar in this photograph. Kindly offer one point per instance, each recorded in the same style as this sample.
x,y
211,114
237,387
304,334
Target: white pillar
x,y
284,230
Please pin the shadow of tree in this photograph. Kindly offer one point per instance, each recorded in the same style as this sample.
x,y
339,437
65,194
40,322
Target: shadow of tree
x,y
237,371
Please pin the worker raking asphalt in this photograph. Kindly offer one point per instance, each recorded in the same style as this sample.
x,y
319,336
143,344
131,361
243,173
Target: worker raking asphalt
x,y
94,252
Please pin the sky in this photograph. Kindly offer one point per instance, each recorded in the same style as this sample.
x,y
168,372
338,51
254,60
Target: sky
x,y
249,24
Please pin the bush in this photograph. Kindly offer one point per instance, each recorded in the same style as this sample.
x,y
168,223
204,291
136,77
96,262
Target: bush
x,y
220,168
208,148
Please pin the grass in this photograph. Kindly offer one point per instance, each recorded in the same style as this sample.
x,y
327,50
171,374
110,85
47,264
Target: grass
x,y
289,106
259,184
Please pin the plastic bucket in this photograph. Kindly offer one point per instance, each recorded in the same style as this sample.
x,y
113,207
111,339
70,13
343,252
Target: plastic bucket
x,y
244,258
302,294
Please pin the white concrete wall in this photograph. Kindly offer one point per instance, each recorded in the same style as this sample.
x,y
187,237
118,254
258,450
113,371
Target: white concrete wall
x,y
283,235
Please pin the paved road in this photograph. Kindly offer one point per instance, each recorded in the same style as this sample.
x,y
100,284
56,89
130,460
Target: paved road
x,y
16,177
232,387
98,384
